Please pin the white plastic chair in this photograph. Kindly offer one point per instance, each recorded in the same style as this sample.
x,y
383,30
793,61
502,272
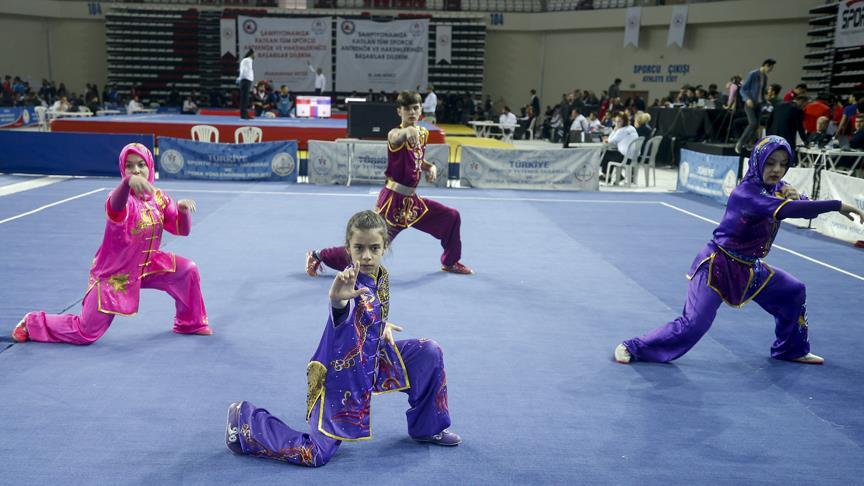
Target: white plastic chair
x,y
648,160
531,127
248,135
42,117
631,160
203,133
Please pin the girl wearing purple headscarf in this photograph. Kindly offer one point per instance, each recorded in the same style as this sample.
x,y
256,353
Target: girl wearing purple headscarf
x,y
730,267
128,260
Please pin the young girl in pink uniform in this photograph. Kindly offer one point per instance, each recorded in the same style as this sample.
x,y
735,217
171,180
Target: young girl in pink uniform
x,y
129,259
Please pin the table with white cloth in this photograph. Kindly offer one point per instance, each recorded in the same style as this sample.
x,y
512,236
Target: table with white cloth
x,y
829,158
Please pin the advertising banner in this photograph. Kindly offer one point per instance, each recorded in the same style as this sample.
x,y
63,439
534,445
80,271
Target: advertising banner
x,y
284,49
188,159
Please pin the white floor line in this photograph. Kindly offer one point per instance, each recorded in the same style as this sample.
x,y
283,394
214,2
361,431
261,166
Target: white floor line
x,y
56,203
31,184
436,196
782,248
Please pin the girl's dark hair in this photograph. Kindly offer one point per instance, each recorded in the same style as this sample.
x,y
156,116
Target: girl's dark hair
x,y
249,52
367,220
408,98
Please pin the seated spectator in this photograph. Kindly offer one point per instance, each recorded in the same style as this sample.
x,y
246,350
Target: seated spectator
x,y
189,106
579,129
820,137
594,124
61,105
259,99
857,140
620,139
507,120
608,120
134,105
641,122
93,105
285,106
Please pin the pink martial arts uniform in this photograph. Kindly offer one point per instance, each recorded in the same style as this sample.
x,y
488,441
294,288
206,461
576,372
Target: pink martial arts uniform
x,y
128,260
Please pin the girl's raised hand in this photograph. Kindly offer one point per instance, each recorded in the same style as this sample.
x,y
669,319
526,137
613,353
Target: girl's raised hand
x,y
343,289
141,185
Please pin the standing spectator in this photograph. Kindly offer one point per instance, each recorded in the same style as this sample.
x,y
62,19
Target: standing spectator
x,y
535,101
800,89
246,78
850,111
430,105
174,98
320,79
61,91
813,111
615,89
773,97
566,110
787,120
753,94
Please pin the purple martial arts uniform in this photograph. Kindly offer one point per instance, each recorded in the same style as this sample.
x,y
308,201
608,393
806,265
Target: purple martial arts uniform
x,y
402,208
730,269
352,363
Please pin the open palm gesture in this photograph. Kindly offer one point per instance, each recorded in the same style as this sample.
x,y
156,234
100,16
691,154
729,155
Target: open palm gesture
x,y
343,289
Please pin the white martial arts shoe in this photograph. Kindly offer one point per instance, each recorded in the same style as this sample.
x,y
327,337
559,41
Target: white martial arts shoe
x,y
622,354
810,358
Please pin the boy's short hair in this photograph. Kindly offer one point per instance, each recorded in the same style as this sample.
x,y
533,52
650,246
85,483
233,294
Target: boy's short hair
x,y
408,98
769,62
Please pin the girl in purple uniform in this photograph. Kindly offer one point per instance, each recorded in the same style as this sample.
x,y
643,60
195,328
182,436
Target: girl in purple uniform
x,y
730,267
356,359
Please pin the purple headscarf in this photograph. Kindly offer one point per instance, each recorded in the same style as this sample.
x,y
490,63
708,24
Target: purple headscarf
x,y
763,149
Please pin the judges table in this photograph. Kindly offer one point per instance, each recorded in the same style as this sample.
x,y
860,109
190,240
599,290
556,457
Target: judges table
x,y
828,158
490,129
695,124
68,114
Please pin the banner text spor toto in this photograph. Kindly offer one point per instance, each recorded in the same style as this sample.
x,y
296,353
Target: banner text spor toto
x,y
388,56
284,48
